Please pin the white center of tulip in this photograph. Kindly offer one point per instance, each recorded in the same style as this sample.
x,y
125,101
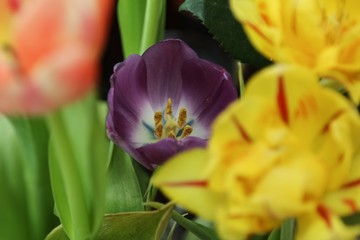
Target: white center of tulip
x,y
168,126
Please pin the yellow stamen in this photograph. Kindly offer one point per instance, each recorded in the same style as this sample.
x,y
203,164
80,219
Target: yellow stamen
x,y
158,130
157,118
186,131
172,135
182,117
169,107
170,125
166,125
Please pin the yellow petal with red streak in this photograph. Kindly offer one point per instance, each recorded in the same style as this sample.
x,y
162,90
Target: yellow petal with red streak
x,y
183,180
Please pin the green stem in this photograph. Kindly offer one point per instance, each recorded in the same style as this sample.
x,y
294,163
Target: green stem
x,y
152,22
241,79
287,229
70,178
191,226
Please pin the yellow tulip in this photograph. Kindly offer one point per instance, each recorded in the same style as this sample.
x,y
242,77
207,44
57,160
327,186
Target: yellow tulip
x,y
288,149
323,35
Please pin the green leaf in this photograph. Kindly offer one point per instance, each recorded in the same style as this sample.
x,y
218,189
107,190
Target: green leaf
x,y
154,23
25,195
217,17
287,229
142,24
131,19
352,219
275,234
123,190
13,206
259,237
77,154
134,226
34,138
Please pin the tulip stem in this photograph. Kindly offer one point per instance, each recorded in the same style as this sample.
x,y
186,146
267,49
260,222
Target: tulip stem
x,y
152,23
241,79
287,229
195,228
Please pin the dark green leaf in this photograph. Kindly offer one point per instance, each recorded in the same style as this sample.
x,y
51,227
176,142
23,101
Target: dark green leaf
x,y
352,219
275,234
217,17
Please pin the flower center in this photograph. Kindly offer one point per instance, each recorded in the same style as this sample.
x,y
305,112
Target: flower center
x,y
169,126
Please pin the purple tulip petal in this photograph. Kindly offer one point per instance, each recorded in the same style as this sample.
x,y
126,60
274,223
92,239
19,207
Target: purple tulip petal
x,y
207,90
141,85
129,104
130,86
164,63
157,153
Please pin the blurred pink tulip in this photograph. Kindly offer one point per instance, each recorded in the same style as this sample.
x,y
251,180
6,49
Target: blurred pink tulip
x,y
49,52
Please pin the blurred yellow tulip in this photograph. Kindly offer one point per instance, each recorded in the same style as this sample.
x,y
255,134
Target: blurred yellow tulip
x,y
288,149
323,35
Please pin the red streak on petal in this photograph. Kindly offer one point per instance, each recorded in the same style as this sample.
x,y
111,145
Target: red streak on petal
x,y
307,106
281,100
301,111
14,5
186,184
241,130
324,214
265,18
332,118
351,184
257,30
351,203
340,158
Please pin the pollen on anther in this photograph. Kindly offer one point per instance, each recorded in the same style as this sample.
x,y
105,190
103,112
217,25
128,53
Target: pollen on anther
x,y
157,118
182,117
187,131
169,107
158,130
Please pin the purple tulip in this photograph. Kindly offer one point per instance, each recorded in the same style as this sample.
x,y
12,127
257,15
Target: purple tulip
x,y
164,102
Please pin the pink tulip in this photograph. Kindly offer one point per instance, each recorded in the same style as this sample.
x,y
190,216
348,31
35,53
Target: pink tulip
x,y
49,52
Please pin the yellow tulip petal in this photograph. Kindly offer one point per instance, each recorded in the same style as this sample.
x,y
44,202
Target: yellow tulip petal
x,y
322,35
301,102
292,187
257,26
339,144
324,225
184,180
233,128
239,227
346,200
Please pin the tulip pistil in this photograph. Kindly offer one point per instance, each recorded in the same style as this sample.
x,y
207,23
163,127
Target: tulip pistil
x,y
168,126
